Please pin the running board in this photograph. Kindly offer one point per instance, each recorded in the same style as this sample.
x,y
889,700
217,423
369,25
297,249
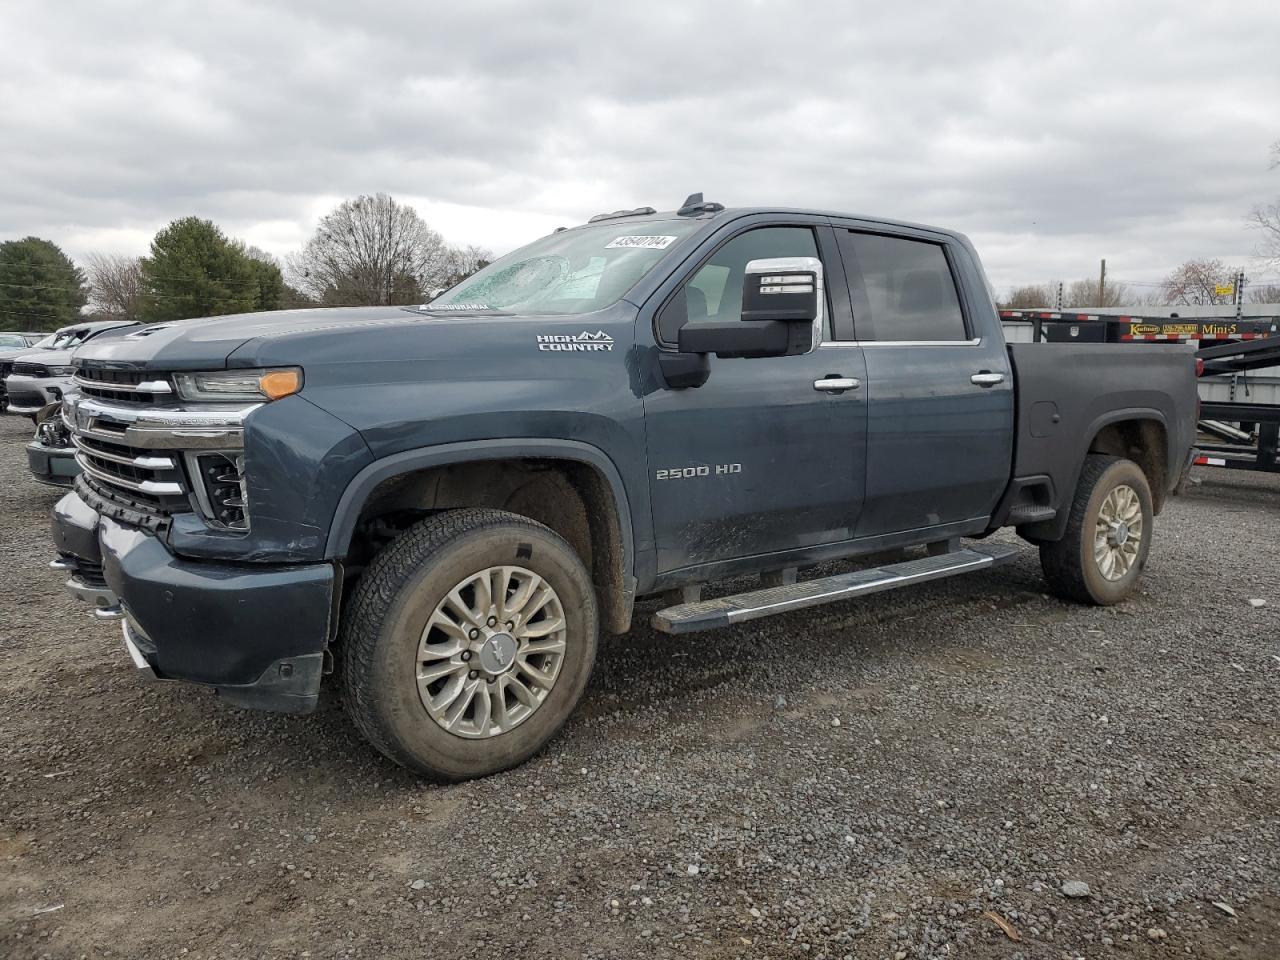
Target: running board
x,y
709,614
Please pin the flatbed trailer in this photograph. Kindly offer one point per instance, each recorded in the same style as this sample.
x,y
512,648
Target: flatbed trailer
x,y
1238,365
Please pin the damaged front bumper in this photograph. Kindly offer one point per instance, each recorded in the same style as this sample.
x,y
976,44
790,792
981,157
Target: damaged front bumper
x,y
55,466
258,634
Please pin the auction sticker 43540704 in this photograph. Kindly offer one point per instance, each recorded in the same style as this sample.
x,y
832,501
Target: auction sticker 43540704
x,y
644,243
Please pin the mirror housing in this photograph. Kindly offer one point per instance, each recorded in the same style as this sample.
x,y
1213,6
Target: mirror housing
x,y
735,339
682,371
782,300
783,288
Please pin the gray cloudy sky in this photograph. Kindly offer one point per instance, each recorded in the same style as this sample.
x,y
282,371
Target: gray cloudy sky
x,y
1053,135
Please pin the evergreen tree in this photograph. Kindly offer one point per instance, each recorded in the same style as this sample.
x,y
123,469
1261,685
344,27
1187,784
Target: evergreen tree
x,y
272,294
195,271
40,288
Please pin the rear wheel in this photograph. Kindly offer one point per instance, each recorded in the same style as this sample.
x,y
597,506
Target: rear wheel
x,y
468,643
1101,555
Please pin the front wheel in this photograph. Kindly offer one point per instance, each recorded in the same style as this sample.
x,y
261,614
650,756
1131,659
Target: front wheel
x,y
468,642
1108,535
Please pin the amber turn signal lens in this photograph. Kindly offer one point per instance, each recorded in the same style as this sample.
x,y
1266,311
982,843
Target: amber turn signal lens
x,y
280,383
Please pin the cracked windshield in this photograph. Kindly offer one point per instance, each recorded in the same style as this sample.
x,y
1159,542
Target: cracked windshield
x,y
569,272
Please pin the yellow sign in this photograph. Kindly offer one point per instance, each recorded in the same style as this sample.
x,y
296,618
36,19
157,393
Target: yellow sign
x,y
1225,289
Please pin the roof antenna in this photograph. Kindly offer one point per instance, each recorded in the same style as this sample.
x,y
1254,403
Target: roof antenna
x,y
694,205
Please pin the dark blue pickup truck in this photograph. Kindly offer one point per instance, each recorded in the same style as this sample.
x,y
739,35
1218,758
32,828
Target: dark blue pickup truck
x,y
448,502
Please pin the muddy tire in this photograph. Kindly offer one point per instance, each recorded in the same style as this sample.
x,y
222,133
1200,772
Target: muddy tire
x,y
467,643
1101,556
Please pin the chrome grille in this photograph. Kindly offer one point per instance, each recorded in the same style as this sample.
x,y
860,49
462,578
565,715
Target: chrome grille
x,y
149,478
147,454
126,386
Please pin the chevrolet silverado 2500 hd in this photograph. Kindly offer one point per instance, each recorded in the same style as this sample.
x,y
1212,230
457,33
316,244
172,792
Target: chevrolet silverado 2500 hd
x,y
450,501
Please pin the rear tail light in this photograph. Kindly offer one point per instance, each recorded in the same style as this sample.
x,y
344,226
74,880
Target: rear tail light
x,y
1199,367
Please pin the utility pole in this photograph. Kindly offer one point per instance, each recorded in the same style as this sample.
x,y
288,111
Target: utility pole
x,y
1058,305
1239,294
1102,284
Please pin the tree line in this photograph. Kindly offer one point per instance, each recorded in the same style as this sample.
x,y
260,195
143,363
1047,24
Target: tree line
x,y
368,251
1194,283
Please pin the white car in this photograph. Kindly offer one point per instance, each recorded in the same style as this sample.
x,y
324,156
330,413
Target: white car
x,y
43,375
14,344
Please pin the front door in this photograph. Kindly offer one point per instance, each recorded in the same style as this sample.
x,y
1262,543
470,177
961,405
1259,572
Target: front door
x,y
940,397
758,459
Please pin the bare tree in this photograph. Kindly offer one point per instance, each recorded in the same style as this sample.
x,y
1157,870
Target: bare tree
x,y
460,263
1085,293
1265,218
1270,293
370,251
1198,282
115,285
1031,297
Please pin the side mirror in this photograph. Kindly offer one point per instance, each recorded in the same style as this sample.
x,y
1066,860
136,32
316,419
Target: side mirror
x,y
782,301
783,288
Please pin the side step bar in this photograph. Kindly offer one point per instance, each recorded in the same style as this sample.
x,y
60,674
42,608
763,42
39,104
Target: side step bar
x,y
709,614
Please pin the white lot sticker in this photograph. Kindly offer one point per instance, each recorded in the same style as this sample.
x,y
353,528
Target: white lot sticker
x,y
645,243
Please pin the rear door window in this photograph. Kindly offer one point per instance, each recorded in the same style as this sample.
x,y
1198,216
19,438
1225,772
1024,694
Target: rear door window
x,y
907,290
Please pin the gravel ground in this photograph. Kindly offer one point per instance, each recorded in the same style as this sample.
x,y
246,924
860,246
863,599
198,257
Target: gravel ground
x,y
888,778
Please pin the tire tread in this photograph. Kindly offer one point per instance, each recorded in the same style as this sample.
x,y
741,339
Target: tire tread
x,y
1065,561
373,599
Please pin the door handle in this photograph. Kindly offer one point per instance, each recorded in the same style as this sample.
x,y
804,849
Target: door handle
x,y
987,379
832,384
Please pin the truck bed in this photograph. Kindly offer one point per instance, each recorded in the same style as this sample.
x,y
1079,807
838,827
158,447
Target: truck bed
x,y
1067,392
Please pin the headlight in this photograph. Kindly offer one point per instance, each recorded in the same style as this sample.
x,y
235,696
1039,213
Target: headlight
x,y
61,371
245,385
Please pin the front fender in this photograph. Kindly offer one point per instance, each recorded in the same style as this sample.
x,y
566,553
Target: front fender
x,y
410,461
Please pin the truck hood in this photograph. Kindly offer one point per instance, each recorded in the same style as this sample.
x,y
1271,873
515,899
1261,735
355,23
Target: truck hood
x,y
347,335
207,343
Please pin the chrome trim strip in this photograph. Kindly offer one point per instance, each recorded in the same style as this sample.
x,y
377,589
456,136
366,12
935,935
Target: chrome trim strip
x,y
164,428
977,341
135,654
98,596
168,417
104,435
212,438
154,487
142,463
147,386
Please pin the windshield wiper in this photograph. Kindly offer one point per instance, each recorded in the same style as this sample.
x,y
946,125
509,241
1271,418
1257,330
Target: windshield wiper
x,y
469,309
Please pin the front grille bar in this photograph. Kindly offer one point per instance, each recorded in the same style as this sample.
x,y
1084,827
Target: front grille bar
x,y
165,428
142,463
155,488
146,386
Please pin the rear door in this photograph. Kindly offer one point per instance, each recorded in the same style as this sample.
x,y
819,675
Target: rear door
x,y
762,458
939,394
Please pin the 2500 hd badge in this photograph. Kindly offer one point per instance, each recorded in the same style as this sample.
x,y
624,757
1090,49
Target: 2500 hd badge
x,y
703,470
